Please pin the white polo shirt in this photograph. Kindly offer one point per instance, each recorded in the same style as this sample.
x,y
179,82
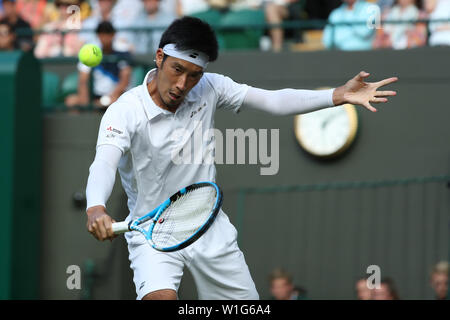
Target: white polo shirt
x,y
145,134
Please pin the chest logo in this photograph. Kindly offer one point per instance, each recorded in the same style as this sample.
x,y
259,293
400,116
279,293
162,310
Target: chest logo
x,y
193,113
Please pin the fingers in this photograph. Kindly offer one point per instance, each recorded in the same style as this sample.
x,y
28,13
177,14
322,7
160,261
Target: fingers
x,y
370,107
361,76
386,81
379,100
108,227
385,93
101,228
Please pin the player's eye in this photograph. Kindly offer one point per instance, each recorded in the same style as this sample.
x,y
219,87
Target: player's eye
x,y
195,75
178,69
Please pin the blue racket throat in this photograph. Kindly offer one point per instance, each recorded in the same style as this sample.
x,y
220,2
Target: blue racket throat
x,y
182,219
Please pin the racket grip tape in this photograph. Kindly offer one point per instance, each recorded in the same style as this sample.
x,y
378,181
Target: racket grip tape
x,y
121,227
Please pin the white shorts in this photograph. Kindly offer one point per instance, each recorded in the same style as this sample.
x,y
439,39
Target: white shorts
x,y
215,261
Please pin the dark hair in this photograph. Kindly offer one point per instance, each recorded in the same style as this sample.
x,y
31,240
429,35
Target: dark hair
x,y
105,27
192,33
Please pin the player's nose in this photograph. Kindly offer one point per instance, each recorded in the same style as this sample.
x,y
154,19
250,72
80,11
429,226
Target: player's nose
x,y
181,84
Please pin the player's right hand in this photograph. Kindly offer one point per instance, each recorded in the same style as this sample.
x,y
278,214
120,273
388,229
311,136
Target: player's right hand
x,y
99,223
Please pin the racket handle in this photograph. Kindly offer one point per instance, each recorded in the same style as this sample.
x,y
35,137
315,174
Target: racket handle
x,y
120,227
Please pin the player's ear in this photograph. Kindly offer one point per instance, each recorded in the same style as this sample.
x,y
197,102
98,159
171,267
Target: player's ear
x,y
159,57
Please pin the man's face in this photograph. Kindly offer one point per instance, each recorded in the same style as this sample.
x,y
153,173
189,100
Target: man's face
x,y
106,6
9,8
439,283
362,291
175,78
106,39
350,2
151,6
429,5
281,289
6,38
382,293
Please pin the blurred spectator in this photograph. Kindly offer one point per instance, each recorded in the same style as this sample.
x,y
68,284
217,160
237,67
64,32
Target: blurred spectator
x,y
363,292
278,10
33,11
148,41
439,31
350,37
53,42
24,36
282,286
188,7
439,280
387,290
7,37
396,35
110,79
121,14
51,12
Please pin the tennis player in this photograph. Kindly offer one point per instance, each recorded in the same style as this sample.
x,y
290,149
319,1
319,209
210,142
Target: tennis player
x,y
135,138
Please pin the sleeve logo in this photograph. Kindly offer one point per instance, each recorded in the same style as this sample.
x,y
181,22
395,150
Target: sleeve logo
x,y
111,129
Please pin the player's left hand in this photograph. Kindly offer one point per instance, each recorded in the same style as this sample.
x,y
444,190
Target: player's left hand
x,y
357,91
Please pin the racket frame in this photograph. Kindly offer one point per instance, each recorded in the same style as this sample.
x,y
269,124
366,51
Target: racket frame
x,y
157,212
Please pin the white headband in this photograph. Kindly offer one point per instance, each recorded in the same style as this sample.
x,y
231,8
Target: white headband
x,y
196,57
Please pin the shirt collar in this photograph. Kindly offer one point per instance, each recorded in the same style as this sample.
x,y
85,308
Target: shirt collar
x,y
151,108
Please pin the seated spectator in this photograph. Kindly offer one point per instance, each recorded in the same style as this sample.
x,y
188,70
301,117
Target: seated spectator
x,y
282,286
396,35
7,37
33,11
387,290
148,41
439,280
24,35
121,14
110,79
53,43
350,37
276,12
363,292
439,31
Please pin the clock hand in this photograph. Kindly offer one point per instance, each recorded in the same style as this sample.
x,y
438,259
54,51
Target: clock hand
x,y
325,123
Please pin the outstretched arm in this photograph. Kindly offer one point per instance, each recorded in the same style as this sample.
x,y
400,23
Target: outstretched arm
x,y
292,101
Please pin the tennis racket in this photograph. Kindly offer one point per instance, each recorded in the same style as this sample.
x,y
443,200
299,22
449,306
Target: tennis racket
x,y
180,220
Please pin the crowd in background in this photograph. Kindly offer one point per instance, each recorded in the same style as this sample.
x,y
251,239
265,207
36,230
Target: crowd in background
x,y
123,28
282,286
61,27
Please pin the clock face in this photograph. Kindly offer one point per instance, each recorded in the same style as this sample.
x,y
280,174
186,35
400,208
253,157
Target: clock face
x,y
327,132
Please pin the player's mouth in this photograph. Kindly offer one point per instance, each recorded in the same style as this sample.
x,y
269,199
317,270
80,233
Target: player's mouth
x,y
174,96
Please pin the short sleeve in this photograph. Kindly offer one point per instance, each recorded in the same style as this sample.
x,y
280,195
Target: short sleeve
x,y
230,94
116,127
123,61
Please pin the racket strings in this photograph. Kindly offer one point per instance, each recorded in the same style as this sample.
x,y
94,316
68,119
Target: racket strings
x,y
184,217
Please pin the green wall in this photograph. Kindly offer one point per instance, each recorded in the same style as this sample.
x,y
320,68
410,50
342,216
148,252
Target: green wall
x,y
325,236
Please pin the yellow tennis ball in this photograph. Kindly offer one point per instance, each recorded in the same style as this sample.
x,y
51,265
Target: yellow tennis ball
x,y
90,55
